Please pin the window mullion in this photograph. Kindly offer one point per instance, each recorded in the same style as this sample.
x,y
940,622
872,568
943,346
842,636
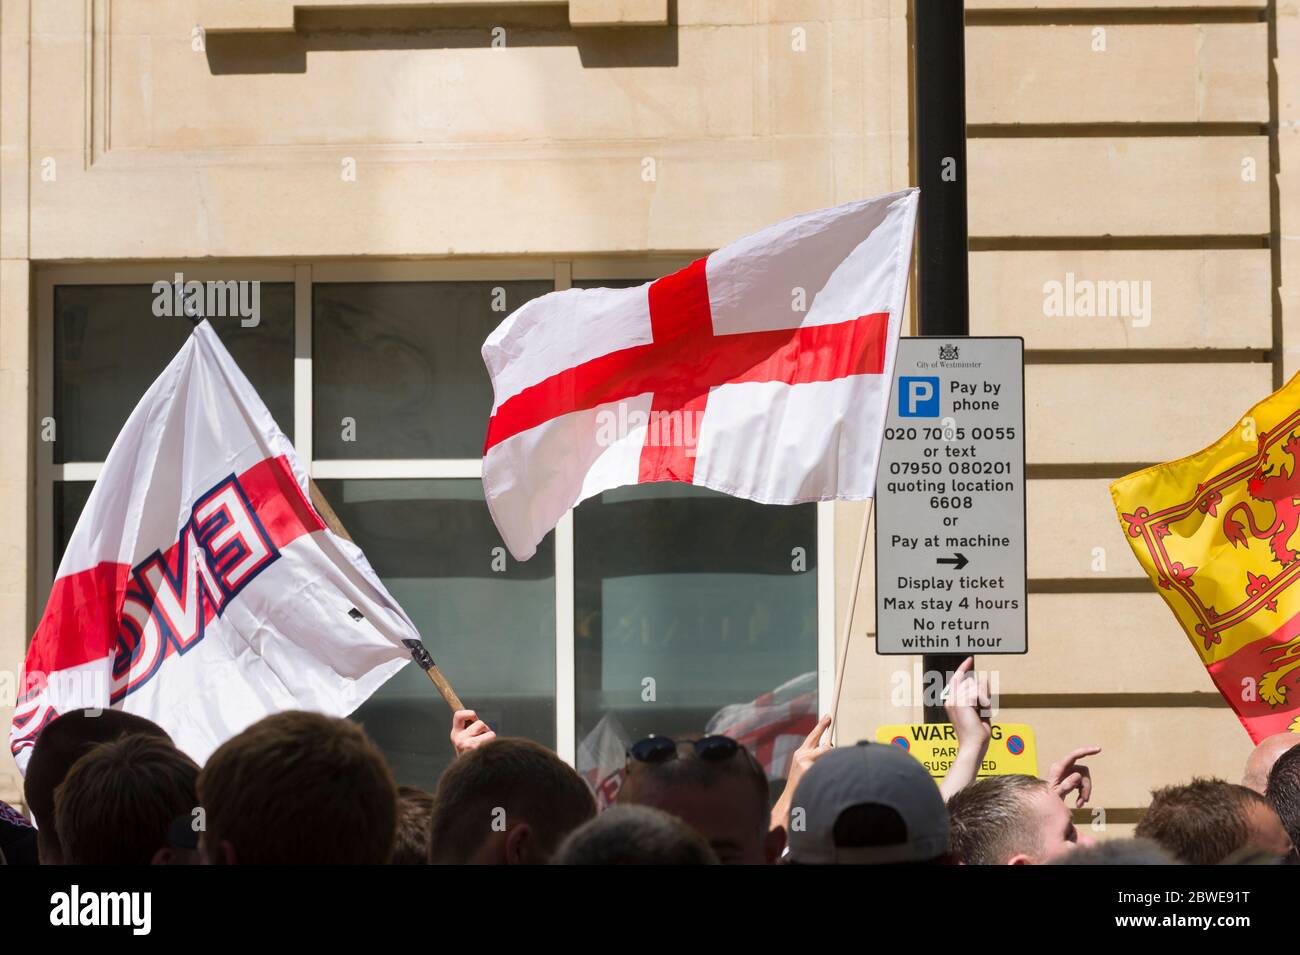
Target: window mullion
x,y
43,578
302,403
565,699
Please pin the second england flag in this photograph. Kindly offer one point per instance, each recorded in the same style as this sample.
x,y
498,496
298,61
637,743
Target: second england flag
x,y
762,371
200,588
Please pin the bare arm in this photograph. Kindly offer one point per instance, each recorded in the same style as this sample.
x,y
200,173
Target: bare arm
x,y
969,709
809,751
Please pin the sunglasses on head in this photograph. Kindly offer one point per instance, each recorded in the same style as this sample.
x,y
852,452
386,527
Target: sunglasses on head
x,y
660,749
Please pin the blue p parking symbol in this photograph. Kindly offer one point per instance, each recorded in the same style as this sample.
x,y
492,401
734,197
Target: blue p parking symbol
x,y
918,397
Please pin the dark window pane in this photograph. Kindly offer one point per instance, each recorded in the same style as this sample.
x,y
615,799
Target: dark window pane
x,y
488,620
109,347
696,591
69,501
403,361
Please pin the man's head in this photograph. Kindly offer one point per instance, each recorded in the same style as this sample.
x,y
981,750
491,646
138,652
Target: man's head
x,y
1283,793
1011,820
635,835
414,812
867,805
1117,852
298,788
1261,759
508,802
182,841
1207,820
118,801
715,786
65,740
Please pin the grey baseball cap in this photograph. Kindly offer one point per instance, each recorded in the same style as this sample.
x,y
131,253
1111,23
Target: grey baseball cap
x,y
868,774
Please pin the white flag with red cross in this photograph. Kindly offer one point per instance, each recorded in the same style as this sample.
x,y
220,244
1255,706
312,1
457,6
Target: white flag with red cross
x,y
200,588
762,371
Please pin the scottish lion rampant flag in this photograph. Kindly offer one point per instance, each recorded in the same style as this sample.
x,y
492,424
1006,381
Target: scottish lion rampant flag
x,y
762,370
200,588
1217,534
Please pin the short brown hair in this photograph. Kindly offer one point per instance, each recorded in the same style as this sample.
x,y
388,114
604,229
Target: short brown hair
x,y
299,788
65,740
1202,822
527,781
1283,792
414,811
986,820
116,803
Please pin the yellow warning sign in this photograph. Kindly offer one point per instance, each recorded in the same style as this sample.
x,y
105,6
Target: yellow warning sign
x,y
1011,749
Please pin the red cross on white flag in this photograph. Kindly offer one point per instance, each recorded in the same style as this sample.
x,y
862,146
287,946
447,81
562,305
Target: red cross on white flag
x,y
762,371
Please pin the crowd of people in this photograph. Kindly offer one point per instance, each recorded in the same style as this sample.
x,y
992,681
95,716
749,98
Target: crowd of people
x,y
108,787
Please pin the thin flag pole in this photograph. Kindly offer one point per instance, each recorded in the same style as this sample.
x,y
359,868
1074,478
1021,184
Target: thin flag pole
x,y
326,512
848,617
419,653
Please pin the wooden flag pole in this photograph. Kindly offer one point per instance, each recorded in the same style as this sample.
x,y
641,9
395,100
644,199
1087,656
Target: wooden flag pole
x,y
419,653
848,618
327,513
425,662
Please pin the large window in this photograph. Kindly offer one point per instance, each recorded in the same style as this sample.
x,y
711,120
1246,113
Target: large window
x,y
686,600
402,361
657,609
109,347
489,622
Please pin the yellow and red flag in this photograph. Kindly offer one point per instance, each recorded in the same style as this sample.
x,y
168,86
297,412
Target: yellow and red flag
x,y
1217,534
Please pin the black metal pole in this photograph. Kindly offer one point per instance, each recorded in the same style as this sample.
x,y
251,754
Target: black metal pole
x,y
943,296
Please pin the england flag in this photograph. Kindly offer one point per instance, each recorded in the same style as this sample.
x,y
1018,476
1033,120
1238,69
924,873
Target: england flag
x,y
200,588
762,370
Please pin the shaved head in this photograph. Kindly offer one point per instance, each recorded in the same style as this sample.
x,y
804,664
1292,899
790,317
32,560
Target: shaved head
x,y
1262,757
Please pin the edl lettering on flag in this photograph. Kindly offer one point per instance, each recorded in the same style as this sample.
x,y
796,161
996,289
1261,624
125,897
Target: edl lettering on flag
x,y
200,588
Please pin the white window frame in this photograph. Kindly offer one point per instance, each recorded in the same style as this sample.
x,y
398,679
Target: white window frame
x,y
563,272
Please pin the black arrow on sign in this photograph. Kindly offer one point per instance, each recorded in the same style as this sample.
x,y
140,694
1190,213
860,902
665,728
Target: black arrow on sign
x,y
958,562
